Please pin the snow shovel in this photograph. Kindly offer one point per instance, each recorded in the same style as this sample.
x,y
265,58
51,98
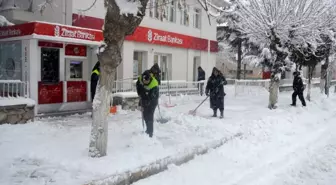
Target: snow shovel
x,y
161,119
193,112
142,119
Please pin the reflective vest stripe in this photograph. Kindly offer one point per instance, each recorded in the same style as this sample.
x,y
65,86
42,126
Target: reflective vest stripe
x,y
153,83
96,72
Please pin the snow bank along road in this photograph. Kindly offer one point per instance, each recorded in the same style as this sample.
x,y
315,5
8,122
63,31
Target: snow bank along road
x,y
299,148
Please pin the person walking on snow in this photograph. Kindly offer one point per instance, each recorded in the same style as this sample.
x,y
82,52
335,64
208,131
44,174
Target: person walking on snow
x,y
94,79
155,70
215,89
298,89
148,91
201,77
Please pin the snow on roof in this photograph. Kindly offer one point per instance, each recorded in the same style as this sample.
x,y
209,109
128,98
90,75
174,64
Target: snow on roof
x,y
16,101
4,22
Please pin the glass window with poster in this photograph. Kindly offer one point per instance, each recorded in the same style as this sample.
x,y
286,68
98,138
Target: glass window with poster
x,y
11,60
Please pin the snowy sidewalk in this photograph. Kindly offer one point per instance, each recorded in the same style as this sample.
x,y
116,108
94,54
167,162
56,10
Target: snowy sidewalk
x,y
54,151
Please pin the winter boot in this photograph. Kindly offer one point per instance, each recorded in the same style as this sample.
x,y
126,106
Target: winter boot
x,y
221,114
215,113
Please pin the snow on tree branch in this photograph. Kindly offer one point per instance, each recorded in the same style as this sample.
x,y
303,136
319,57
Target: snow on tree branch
x,y
45,4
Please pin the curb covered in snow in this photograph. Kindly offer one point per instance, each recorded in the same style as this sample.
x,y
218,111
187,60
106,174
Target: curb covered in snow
x,y
129,177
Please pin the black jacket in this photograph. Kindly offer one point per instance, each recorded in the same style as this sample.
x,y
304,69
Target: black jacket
x,y
95,77
156,71
215,86
149,94
201,75
298,84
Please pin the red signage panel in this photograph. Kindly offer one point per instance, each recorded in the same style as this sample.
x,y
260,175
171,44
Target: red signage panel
x,y
50,44
75,50
56,30
76,91
17,30
50,93
151,36
141,34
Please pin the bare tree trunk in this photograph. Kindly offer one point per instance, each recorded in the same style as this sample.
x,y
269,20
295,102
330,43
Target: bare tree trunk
x,y
116,27
274,92
324,77
99,131
239,62
310,77
244,71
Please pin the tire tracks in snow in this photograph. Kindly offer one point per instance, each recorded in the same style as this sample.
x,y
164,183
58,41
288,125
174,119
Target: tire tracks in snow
x,y
275,164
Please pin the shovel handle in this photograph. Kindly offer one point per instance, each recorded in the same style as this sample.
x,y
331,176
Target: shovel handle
x,y
201,103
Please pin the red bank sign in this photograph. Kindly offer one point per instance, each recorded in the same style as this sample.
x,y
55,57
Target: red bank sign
x,y
141,34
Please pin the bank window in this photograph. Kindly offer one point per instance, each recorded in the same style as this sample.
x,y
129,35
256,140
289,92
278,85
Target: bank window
x,y
172,11
184,18
197,18
165,67
138,63
50,62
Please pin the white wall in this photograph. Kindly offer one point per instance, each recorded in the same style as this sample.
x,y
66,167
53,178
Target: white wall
x,y
207,31
60,13
181,60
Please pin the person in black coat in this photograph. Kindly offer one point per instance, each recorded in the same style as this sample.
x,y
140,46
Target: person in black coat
x,y
298,88
148,91
215,89
94,79
200,77
156,71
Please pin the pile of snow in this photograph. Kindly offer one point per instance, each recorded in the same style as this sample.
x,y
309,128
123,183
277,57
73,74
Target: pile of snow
x,y
4,22
55,150
126,94
4,101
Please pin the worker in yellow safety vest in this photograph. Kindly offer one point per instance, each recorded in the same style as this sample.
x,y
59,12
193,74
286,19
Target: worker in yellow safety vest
x,y
94,79
148,91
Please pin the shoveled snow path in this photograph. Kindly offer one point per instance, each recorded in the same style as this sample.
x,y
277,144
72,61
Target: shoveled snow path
x,y
293,150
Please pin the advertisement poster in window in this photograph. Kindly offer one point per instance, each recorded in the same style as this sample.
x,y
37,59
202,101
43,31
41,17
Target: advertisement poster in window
x,y
76,91
50,93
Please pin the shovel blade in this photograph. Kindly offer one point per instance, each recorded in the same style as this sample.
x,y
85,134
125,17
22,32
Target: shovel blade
x,y
192,112
163,120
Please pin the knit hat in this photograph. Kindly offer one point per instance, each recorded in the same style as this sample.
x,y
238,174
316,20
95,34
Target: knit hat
x,y
146,75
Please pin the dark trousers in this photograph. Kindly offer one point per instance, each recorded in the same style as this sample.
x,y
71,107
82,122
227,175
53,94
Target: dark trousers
x,y
148,115
200,88
300,94
92,95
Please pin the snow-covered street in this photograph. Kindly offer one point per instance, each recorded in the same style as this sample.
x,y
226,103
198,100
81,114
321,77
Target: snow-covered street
x,y
298,148
284,146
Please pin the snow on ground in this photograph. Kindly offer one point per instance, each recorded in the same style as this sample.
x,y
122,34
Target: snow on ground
x,y
293,146
55,150
16,101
